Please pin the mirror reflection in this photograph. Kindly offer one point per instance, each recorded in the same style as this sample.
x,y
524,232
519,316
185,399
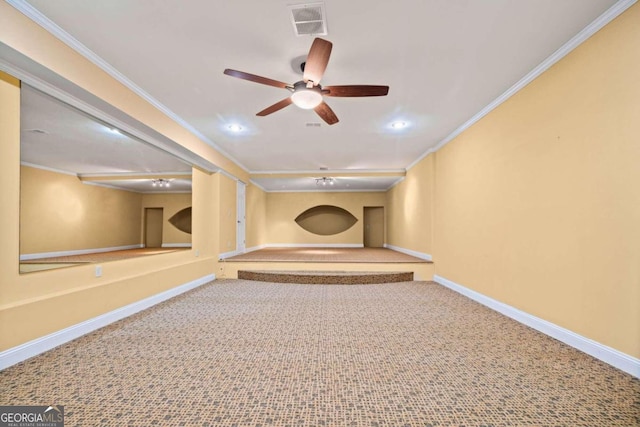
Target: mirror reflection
x,y
91,193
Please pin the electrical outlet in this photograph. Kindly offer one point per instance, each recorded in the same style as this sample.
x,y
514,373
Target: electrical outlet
x,y
98,271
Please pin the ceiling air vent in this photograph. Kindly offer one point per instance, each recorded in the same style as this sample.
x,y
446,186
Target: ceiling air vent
x,y
309,19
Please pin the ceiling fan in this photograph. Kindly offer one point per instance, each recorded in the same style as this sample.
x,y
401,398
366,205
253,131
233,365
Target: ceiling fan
x,y
308,93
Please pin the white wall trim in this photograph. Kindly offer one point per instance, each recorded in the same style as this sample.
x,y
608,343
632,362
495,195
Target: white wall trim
x,y
252,182
326,172
27,257
421,255
595,26
225,255
255,248
36,16
613,357
323,190
176,245
32,348
314,245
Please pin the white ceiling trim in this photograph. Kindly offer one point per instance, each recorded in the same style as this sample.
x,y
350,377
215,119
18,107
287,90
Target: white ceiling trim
x,y
325,191
328,171
35,15
258,185
97,114
608,16
115,187
125,174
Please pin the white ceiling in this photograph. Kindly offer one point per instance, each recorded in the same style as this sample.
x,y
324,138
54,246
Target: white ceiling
x,y
444,61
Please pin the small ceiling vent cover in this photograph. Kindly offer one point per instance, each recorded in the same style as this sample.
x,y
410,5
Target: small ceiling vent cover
x,y
309,19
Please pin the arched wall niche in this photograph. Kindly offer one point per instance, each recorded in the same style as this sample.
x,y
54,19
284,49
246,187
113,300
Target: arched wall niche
x,y
326,220
182,220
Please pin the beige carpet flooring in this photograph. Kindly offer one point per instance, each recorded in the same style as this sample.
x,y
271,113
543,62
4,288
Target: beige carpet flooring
x,y
241,353
359,255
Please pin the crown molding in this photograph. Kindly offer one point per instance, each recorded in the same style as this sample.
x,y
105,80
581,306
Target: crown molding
x,y
55,30
252,182
318,172
597,24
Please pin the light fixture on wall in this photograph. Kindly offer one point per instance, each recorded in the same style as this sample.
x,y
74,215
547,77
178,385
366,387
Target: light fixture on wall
x,y
161,182
324,181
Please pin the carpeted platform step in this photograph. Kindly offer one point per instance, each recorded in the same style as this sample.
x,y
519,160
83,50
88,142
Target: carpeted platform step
x,y
327,277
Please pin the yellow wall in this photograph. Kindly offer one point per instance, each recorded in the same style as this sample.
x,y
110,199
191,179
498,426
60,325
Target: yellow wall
x,y
41,303
410,212
171,203
538,204
60,213
283,208
228,213
34,305
256,207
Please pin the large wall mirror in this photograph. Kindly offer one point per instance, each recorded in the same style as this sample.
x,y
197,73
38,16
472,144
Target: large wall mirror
x,y
92,193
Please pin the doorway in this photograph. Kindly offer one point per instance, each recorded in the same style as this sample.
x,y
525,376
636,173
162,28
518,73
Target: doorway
x,y
373,227
240,212
153,227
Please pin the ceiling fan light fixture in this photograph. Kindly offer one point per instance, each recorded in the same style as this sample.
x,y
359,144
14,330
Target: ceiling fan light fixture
x,y
307,98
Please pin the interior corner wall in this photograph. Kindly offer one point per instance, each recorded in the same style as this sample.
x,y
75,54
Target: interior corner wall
x,y
171,203
283,208
410,209
228,213
256,217
538,204
60,213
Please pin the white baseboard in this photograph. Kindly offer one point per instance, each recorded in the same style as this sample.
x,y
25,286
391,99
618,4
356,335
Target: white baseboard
x,y
176,245
613,357
255,248
225,255
314,245
416,254
32,348
27,257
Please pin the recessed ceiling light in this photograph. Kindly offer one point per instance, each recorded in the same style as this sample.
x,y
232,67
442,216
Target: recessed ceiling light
x,y
399,124
234,127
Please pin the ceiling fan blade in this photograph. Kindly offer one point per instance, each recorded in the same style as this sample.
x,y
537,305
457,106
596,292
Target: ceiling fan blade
x,y
275,107
355,90
326,113
257,79
317,60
